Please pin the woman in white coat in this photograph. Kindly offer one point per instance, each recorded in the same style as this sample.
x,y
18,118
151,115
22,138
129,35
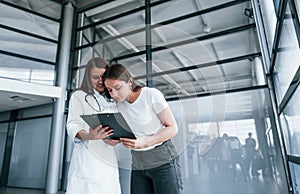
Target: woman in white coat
x,y
93,168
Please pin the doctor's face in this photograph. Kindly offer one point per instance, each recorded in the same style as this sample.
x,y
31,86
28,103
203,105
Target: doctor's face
x,y
119,90
96,78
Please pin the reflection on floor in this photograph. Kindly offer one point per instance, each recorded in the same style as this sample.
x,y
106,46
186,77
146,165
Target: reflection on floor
x,y
209,182
23,191
217,186
206,182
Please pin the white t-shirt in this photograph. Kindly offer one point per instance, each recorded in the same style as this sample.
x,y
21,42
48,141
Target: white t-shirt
x,y
141,115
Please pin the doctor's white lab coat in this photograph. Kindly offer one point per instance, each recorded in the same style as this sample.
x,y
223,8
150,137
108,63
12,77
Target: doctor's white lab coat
x,y
93,168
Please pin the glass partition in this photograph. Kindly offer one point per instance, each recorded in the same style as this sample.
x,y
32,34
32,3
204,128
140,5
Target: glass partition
x,y
48,8
29,22
202,123
297,8
26,70
29,41
295,169
30,154
285,68
269,19
290,120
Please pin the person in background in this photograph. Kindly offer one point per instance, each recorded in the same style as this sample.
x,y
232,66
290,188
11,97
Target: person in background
x,y
258,163
235,153
250,149
93,168
155,163
225,156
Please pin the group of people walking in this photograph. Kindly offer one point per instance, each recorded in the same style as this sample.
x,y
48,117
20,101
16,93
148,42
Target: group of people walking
x,y
233,154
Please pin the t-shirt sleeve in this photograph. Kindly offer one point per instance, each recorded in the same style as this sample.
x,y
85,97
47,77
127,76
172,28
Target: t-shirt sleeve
x,y
158,100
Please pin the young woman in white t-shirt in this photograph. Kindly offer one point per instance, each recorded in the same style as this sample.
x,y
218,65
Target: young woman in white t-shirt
x,y
155,165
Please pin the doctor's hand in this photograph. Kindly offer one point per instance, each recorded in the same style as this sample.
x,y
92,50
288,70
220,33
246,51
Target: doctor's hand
x,y
111,142
99,132
134,143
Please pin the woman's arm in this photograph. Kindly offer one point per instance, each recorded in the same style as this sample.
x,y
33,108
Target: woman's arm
x,y
169,131
75,125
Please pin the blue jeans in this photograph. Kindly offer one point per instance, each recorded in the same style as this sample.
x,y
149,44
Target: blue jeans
x,y
162,179
165,179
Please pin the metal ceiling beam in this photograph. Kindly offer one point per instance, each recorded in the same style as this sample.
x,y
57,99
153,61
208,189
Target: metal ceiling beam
x,y
30,11
26,57
213,93
28,33
87,5
189,85
203,20
149,63
188,41
203,65
174,20
120,15
128,45
181,60
107,6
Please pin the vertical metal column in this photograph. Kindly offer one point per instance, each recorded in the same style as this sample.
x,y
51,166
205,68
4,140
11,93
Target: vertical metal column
x,y
57,132
149,80
261,35
8,148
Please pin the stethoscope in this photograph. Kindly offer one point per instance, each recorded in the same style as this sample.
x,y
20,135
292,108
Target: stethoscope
x,y
88,100
91,98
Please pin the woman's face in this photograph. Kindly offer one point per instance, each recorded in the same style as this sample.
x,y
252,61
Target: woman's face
x,y
119,90
96,78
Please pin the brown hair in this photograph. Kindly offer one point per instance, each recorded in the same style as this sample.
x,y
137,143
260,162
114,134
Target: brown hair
x,y
98,62
120,72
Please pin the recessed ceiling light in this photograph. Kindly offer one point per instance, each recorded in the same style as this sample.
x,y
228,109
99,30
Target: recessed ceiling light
x,y
19,99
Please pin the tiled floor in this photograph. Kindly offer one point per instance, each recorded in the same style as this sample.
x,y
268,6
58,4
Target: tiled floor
x,y
203,182
218,185
208,182
23,191
194,185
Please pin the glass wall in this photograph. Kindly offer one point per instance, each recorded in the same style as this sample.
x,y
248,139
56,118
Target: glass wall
x,y
29,41
288,49
29,137
285,60
30,154
295,169
269,19
290,120
292,137
201,138
213,83
208,68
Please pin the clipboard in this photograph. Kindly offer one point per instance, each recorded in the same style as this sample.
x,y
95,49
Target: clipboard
x,y
115,121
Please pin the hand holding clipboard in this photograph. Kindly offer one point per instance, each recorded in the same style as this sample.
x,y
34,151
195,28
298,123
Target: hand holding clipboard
x,y
114,121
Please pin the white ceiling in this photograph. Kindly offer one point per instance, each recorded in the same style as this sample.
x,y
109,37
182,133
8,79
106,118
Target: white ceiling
x,y
15,94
